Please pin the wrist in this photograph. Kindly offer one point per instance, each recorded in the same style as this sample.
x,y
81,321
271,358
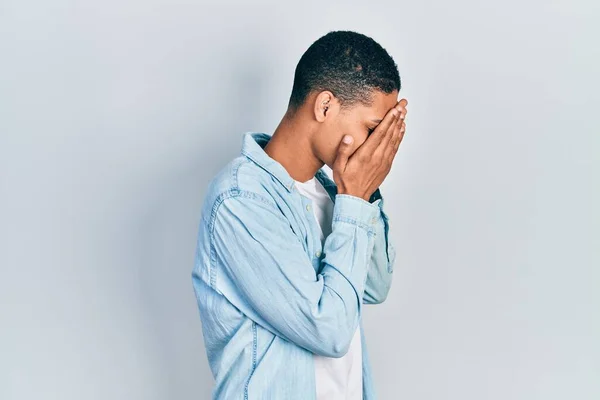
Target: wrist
x,y
362,197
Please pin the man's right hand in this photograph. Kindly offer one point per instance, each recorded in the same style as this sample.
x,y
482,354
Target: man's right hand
x,y
361,172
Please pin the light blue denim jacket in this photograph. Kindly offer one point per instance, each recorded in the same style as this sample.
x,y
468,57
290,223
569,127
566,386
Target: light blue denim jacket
x,y
269,294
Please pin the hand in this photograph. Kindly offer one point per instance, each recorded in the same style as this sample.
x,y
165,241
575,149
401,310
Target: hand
x,y
361,172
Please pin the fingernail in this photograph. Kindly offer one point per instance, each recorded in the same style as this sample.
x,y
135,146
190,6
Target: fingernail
x,y
348,139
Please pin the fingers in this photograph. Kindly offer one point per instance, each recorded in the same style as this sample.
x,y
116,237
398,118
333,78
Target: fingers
x,y
400,137
402,110
382,130
401,106
396,139
343,153
383,135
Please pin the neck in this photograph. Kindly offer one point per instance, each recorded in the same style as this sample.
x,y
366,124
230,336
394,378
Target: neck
x,y
291,146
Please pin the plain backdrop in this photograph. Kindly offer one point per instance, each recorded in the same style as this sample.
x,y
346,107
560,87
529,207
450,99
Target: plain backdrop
x,y
114,115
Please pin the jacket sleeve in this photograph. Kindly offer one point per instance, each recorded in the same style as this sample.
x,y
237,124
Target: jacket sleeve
x,y
379,277
262,268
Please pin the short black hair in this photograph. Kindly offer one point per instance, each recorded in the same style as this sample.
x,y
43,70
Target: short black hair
x,y
349,64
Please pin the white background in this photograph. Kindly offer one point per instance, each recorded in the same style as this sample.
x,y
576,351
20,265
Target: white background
x,y
114,115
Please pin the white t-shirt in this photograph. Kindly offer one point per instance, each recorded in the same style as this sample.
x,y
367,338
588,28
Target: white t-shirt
x,y
336,378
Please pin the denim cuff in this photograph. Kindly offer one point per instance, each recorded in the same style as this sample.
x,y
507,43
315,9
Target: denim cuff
x,y
357,210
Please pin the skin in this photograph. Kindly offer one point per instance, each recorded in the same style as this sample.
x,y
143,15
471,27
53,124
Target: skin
x,y
311,137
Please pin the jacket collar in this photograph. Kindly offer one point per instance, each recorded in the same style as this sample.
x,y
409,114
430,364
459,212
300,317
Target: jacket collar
x,y
253,147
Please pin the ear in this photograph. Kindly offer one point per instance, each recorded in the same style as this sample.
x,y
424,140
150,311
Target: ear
x,y
325,104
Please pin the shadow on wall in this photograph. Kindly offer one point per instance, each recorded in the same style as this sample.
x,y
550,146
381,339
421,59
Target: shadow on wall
x,y
167,230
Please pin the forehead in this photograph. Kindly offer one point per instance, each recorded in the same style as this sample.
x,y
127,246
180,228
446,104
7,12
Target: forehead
x,y
381,103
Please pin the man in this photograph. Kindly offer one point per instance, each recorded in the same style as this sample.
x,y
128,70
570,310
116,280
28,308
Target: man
x,y
286,256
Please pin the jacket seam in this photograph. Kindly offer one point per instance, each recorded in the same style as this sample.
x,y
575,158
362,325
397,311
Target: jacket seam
x,y
254,345
235,173
231,193
343,218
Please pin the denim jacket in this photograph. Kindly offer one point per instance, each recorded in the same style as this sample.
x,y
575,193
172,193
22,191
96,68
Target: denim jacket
x,y
269,294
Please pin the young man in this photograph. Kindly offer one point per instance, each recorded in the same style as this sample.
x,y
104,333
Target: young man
x,y
286,256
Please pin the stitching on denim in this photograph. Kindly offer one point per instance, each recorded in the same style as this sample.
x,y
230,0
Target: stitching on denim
x,y
262,199
235,172
213,258
254,346
251,159
233,192
343,218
